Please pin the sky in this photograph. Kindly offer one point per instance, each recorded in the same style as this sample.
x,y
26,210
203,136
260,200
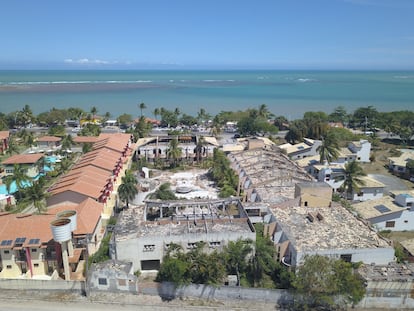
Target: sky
x,y
207,34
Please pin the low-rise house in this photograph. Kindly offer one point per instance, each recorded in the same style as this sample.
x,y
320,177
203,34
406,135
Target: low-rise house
x,y
398,165
389,213
48,143
359,151
153,148
113,276
32,164
371,189
4,141
308,148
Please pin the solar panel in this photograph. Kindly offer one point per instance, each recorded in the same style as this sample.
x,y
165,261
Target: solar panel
x,y
382,208
20,240
34,241
6,242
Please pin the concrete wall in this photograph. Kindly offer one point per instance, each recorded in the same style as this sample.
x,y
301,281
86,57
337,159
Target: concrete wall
x,y
379,256
59,285
366,194
153,247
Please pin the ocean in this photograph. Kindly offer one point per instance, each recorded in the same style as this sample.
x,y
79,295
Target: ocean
x,y
287,93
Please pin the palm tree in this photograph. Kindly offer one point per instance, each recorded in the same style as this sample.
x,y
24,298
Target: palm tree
x,y
67,142
94,111
8,181
262,262
142,106
20,178
329,149
174,151
156,113
263,112
353,174
36,194
236,254
127,192
12,147
201,142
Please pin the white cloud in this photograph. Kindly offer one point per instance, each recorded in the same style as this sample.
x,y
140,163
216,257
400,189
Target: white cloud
x,y
87,61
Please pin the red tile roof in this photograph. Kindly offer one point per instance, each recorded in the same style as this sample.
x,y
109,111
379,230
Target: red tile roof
x,y
23,159
49,139
25,226
4,134
88,215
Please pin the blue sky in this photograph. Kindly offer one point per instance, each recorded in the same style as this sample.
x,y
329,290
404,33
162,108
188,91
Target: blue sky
x,y
207,34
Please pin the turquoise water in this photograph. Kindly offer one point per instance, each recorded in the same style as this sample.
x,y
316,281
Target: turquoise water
x,y
13,186
288,93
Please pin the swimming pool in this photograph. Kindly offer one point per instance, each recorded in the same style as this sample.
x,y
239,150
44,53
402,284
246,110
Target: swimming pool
x,y
13,187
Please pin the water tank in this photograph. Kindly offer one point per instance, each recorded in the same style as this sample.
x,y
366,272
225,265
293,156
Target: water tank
x,y
70,214
61,229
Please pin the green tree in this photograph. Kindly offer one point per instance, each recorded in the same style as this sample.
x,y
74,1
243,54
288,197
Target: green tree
x,y
142,106
236,256
142,128
156,113
127,190
57,130
262,263
174,152
353,174
20,178
12,147
86,147
36,195
339,115
94,111
163,193
320,280
297,131
67,142
8,181
329,149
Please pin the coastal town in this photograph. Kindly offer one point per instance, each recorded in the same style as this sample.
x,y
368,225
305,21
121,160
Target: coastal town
x,y
100,205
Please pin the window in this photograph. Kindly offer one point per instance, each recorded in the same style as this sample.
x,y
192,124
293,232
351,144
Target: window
x,y
36,265
8,266
149,248
34,250
346,257
214,244
102,281
6,252
390,224
406,221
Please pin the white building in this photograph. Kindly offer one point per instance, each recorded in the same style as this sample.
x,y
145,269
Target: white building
x,y
370,190
302,150
142,236
389,213
332,232
357,151
398,165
